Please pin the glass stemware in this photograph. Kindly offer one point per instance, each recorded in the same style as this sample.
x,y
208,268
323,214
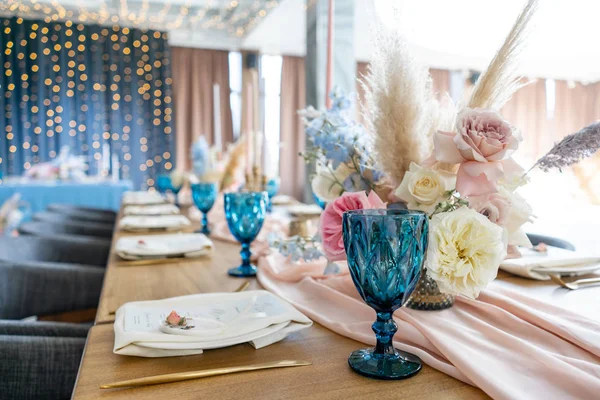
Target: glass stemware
x,y
164,184
386,251
204,195
272,189
245,214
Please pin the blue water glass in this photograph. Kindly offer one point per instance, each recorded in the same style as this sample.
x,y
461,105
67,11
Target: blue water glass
x,y
164,184
204,195
245,213
386,251
272,189
319,202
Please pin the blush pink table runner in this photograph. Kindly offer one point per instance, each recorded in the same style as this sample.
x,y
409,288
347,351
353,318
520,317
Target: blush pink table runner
x,y
509,345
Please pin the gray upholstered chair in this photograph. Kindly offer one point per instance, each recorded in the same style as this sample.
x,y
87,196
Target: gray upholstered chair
x,y
550,241
91,229
75,250
39,359
44,288
49,216
85,212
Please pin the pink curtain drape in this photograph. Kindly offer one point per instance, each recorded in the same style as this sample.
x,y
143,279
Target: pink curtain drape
x,y
293,98
194,73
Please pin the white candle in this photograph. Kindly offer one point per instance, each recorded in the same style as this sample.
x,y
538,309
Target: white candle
x,y
217,117
265,157
330,35
105,158
249,133
115,167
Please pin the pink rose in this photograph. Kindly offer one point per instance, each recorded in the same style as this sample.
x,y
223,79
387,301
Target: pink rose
x,y
331,220
483,145
173,318
493,206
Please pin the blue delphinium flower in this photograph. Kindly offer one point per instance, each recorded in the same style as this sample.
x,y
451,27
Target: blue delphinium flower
x,y
200,155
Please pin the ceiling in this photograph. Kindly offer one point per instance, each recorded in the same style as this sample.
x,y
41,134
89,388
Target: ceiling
x,y
457,34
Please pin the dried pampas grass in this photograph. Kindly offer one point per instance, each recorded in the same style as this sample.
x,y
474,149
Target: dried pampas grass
x,y
235,163
401,110
500,81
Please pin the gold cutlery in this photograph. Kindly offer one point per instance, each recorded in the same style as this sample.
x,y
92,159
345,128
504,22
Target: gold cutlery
x,y
184,376
578,284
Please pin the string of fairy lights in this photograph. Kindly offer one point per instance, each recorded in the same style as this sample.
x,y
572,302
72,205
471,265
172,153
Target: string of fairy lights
x,y
92,88
235,17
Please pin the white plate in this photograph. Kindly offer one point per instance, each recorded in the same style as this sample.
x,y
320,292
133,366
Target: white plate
x,y
155,209
144,223
142,198
305,210
160,246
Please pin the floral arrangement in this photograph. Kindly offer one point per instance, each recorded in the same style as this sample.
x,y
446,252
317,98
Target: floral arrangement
x,y
456,167
341,150
176,320
297,248
205,161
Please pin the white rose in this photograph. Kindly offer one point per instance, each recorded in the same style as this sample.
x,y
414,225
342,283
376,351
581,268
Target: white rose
x,y
519,213
423,188
465,251
327,185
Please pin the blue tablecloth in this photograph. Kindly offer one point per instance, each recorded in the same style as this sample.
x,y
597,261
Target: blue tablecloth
x,y
39,194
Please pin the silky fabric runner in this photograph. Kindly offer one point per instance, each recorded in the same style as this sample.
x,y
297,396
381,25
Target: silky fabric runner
x,y
509,345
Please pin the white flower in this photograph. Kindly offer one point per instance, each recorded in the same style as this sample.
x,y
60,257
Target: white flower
x,y
177,178
327,186
519,213
309,113
465,251
424,188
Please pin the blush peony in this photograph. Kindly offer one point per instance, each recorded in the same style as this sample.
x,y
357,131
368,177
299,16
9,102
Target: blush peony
x,y
330,225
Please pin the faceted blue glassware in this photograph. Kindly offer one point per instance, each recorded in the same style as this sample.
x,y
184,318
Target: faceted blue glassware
x,y
245,213
272,189
204,195
164,184
386,250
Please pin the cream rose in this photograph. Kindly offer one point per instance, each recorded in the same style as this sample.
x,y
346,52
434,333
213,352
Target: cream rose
x,y
423,188
465,251
520,212
327,186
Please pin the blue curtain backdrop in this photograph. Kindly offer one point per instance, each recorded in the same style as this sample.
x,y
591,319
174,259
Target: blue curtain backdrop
x,y
86,87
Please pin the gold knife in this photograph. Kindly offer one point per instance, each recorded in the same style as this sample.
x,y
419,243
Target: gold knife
x,y
184,376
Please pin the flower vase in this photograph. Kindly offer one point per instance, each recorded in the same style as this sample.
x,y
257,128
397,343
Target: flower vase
x,y
427,296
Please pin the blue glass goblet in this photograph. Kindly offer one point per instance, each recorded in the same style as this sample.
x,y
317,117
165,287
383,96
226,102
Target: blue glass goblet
x,y
272,189
245,213
386,251
165,185
204,195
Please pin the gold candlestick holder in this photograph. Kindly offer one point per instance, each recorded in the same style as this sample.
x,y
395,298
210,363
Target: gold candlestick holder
x,y
256,181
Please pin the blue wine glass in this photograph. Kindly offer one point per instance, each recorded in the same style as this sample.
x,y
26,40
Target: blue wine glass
x,y
164,183
386,251
245,213
319,202
204,195
272,189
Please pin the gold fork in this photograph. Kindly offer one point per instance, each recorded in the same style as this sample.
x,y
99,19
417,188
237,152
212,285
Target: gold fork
x,y
578,284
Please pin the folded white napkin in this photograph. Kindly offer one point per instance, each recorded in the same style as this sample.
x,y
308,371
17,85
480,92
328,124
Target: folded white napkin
x,y
304,210
139,223
142,198
256,317
536,265
160,246
158,209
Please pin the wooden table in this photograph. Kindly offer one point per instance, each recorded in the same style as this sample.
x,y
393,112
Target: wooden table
x,y
329,376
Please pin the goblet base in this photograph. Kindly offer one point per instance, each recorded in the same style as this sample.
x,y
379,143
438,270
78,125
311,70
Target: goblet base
x,y
204,231
243,271
400,365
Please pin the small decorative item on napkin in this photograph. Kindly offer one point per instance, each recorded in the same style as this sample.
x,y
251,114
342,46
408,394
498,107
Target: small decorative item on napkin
x,y
220,320
175,319
536,264
180,245
138,223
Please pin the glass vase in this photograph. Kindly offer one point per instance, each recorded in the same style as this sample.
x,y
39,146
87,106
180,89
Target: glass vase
x,y
386,251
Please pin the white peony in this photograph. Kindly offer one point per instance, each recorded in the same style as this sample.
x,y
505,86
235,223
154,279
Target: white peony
x,y
327,186
177,179
423,188
465,251
519,213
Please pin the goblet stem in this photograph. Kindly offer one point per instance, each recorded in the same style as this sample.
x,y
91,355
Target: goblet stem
x,y
384,329
205,228
245,256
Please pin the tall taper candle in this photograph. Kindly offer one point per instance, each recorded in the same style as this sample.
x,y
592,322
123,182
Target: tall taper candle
x,y
217,117
249,127
330,36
